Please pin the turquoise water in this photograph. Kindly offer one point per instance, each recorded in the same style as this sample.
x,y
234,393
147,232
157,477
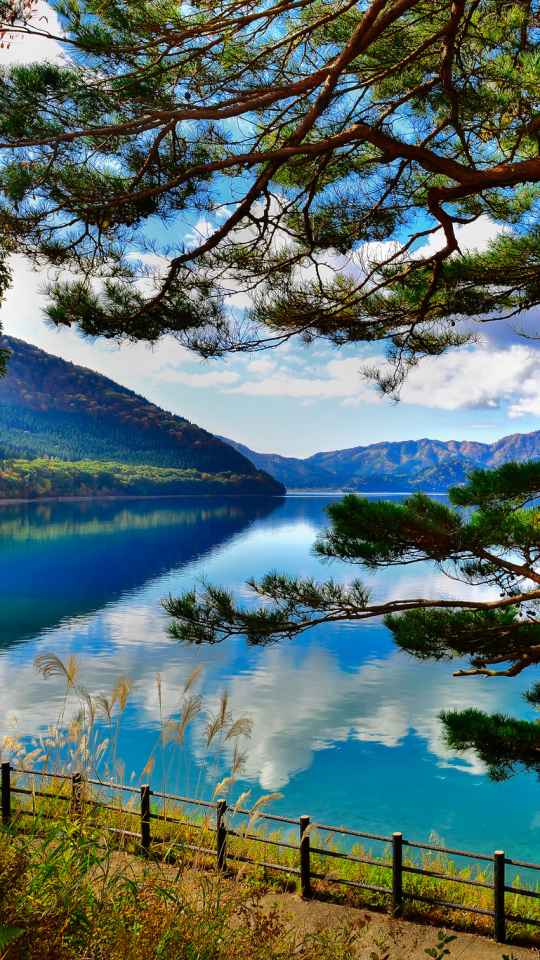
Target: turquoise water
x,y
344,726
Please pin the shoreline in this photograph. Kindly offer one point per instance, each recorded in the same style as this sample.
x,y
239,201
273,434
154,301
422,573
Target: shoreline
x,y
184,496
139,496
362,493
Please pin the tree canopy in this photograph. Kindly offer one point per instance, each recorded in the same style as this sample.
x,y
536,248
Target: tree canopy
x,y
300,151
488,536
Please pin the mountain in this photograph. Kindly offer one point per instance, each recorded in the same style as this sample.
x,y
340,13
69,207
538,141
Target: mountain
x,y
385,467
52,408
293,472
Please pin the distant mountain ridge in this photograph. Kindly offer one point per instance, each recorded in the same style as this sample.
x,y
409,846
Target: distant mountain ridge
x,y
52,408
389,467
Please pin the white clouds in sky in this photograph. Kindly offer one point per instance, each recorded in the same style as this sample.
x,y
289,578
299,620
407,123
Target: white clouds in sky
x,y
470,236
214,378
504,371
467,379
339,378
475,378
29,49
479,379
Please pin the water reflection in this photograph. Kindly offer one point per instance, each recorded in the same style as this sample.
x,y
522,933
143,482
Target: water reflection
x,y
343,724
66,559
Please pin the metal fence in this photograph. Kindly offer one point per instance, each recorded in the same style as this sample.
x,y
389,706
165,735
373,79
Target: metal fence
x,y
223,830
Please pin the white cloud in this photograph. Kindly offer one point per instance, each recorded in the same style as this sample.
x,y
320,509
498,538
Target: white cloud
x,y
527,406
477,379
263,365
30,49
214,378
472,378
131,365
470,236
342,380
480,377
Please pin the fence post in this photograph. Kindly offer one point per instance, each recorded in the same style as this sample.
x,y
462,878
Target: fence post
x,y
145,817
305,869
397,874
221,835
499,924
76,794
6,792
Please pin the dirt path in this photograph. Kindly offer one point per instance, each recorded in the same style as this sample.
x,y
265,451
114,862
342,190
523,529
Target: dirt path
x,y
400,939
385,937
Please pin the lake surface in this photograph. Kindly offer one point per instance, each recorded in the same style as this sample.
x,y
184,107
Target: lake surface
x,y
345,727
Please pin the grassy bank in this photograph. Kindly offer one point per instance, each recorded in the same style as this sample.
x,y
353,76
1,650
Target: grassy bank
x,y
72,888
65,894
257,858
45,478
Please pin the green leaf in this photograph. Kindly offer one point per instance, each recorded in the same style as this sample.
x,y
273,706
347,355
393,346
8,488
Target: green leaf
x,y
8,935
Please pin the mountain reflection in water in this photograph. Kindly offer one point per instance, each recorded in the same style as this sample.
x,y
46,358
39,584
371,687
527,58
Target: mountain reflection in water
x,y
344,725
67,558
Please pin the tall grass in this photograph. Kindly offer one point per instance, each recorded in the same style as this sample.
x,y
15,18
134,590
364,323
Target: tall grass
x,y
71,888
64,893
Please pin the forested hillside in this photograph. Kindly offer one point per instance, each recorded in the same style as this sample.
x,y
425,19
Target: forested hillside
x,y
49,407
40,479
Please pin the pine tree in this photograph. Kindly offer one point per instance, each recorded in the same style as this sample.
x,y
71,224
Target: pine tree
x,y
300,134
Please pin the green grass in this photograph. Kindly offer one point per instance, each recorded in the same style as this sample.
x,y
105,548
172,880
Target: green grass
x,y
65,894
173,845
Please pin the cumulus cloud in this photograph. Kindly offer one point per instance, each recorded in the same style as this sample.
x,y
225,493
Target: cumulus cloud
x,y
482,377
504,369
30,49
21,316
338,378
470,236
478,379
263,365
468,379
213,378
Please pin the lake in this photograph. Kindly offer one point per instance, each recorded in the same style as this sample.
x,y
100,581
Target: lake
x,y
345,727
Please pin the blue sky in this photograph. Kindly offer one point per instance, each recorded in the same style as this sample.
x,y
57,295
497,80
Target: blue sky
x,y
295,400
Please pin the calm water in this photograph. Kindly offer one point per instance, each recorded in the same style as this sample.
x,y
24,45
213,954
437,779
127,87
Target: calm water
x,y
344,726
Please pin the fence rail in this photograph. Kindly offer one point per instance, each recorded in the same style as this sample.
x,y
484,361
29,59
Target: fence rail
x,y
222,829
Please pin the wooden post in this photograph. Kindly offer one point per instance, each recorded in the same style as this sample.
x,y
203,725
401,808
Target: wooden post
x,y
221,835
6,793
397,874
305,869
499,920
76,794
145,817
